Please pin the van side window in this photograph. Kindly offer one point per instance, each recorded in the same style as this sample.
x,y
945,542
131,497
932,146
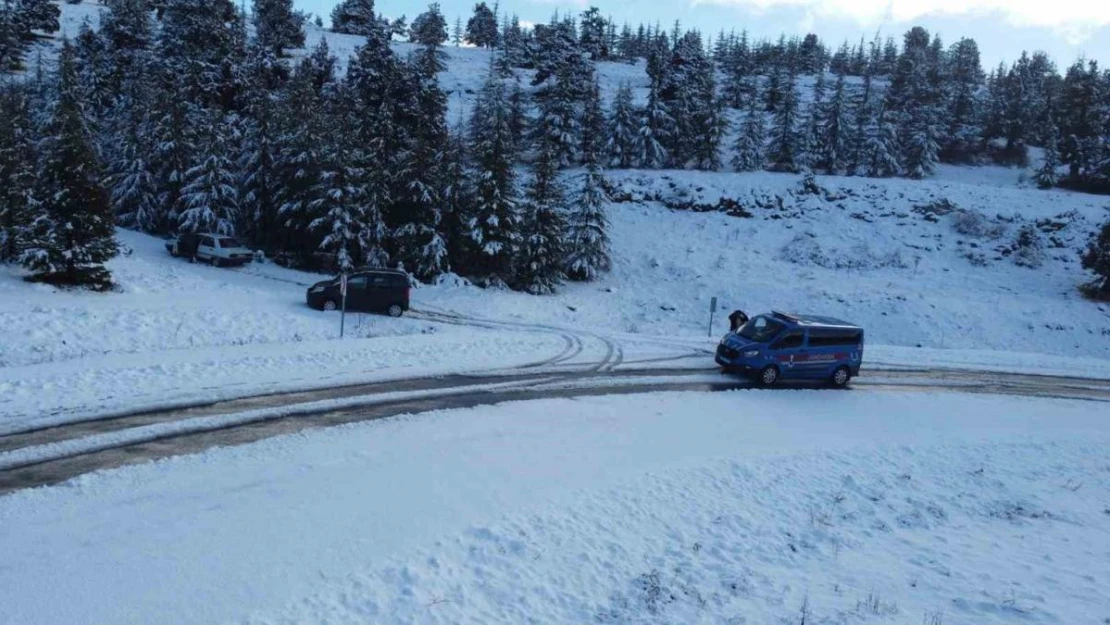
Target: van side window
x,y
819,338
790,341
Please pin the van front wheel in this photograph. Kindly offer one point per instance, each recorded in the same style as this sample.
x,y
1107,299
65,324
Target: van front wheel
x,y
769,375
840,377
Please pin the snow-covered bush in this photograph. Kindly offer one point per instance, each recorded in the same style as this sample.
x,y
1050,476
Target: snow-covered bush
x,y
805,250
1097,259
1028,249
972,223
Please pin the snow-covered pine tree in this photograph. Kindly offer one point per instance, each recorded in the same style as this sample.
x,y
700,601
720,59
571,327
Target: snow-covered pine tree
x,y
858,160
833,153
518,115
656,129
481,28
277,26
72,234
514,48
258,156
561,81
710,123
492,228
458,195
883,148
355,17
1078,109
812,140
173,140
130,180
591,35
738,85
18,203
352,191
429,30
772,94
1047,176
209,199
93,66
912,103
11,49
420,237
587,253
963,103
784,151
457,32
749,152
197,42
622,129
319,67
921,148
126,25
299,161
685,83
541,255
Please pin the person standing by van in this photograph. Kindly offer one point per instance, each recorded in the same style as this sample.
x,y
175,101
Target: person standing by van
x,y
737,320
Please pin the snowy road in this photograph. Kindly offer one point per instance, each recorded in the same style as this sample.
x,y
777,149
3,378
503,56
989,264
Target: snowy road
x,y
50,455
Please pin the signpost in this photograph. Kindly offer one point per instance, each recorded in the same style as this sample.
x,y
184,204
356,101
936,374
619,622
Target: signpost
x,y
343,294
712,309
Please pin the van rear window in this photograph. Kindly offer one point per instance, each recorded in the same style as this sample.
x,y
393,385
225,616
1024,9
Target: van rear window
x,y
761,329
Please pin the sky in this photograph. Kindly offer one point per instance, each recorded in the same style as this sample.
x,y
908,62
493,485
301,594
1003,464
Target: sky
x,y
1066,29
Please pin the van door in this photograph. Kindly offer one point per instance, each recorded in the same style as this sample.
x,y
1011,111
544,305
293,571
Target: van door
x,y
788,351
357,299
206,248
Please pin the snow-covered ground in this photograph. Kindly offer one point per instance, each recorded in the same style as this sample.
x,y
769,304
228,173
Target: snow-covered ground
x,y
741,507
783,507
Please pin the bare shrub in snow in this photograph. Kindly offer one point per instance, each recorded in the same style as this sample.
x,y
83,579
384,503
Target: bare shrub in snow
x,y
808,185
1028,248
937,208
972,223
804,249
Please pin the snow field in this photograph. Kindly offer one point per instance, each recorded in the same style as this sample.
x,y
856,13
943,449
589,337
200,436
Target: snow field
x,y
656,508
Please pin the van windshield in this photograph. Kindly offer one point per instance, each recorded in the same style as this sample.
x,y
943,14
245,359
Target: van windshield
x,y
229,242
760,329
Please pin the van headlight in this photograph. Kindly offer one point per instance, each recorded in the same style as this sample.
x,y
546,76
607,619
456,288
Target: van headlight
x,y
316,289
751,354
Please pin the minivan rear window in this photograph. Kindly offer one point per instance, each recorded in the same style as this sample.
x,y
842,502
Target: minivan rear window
x,y
760,329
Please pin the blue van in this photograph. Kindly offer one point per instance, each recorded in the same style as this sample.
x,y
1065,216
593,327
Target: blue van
x,y
786,346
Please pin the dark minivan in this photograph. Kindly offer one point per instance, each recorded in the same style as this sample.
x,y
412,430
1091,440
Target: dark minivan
x,y
782,346
375,290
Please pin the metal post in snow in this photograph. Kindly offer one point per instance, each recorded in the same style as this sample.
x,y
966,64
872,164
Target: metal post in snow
x,y
712,309
343,293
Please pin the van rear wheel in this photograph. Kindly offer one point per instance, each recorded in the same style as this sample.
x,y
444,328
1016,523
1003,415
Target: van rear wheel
x,y
840,377
395,311
769,375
